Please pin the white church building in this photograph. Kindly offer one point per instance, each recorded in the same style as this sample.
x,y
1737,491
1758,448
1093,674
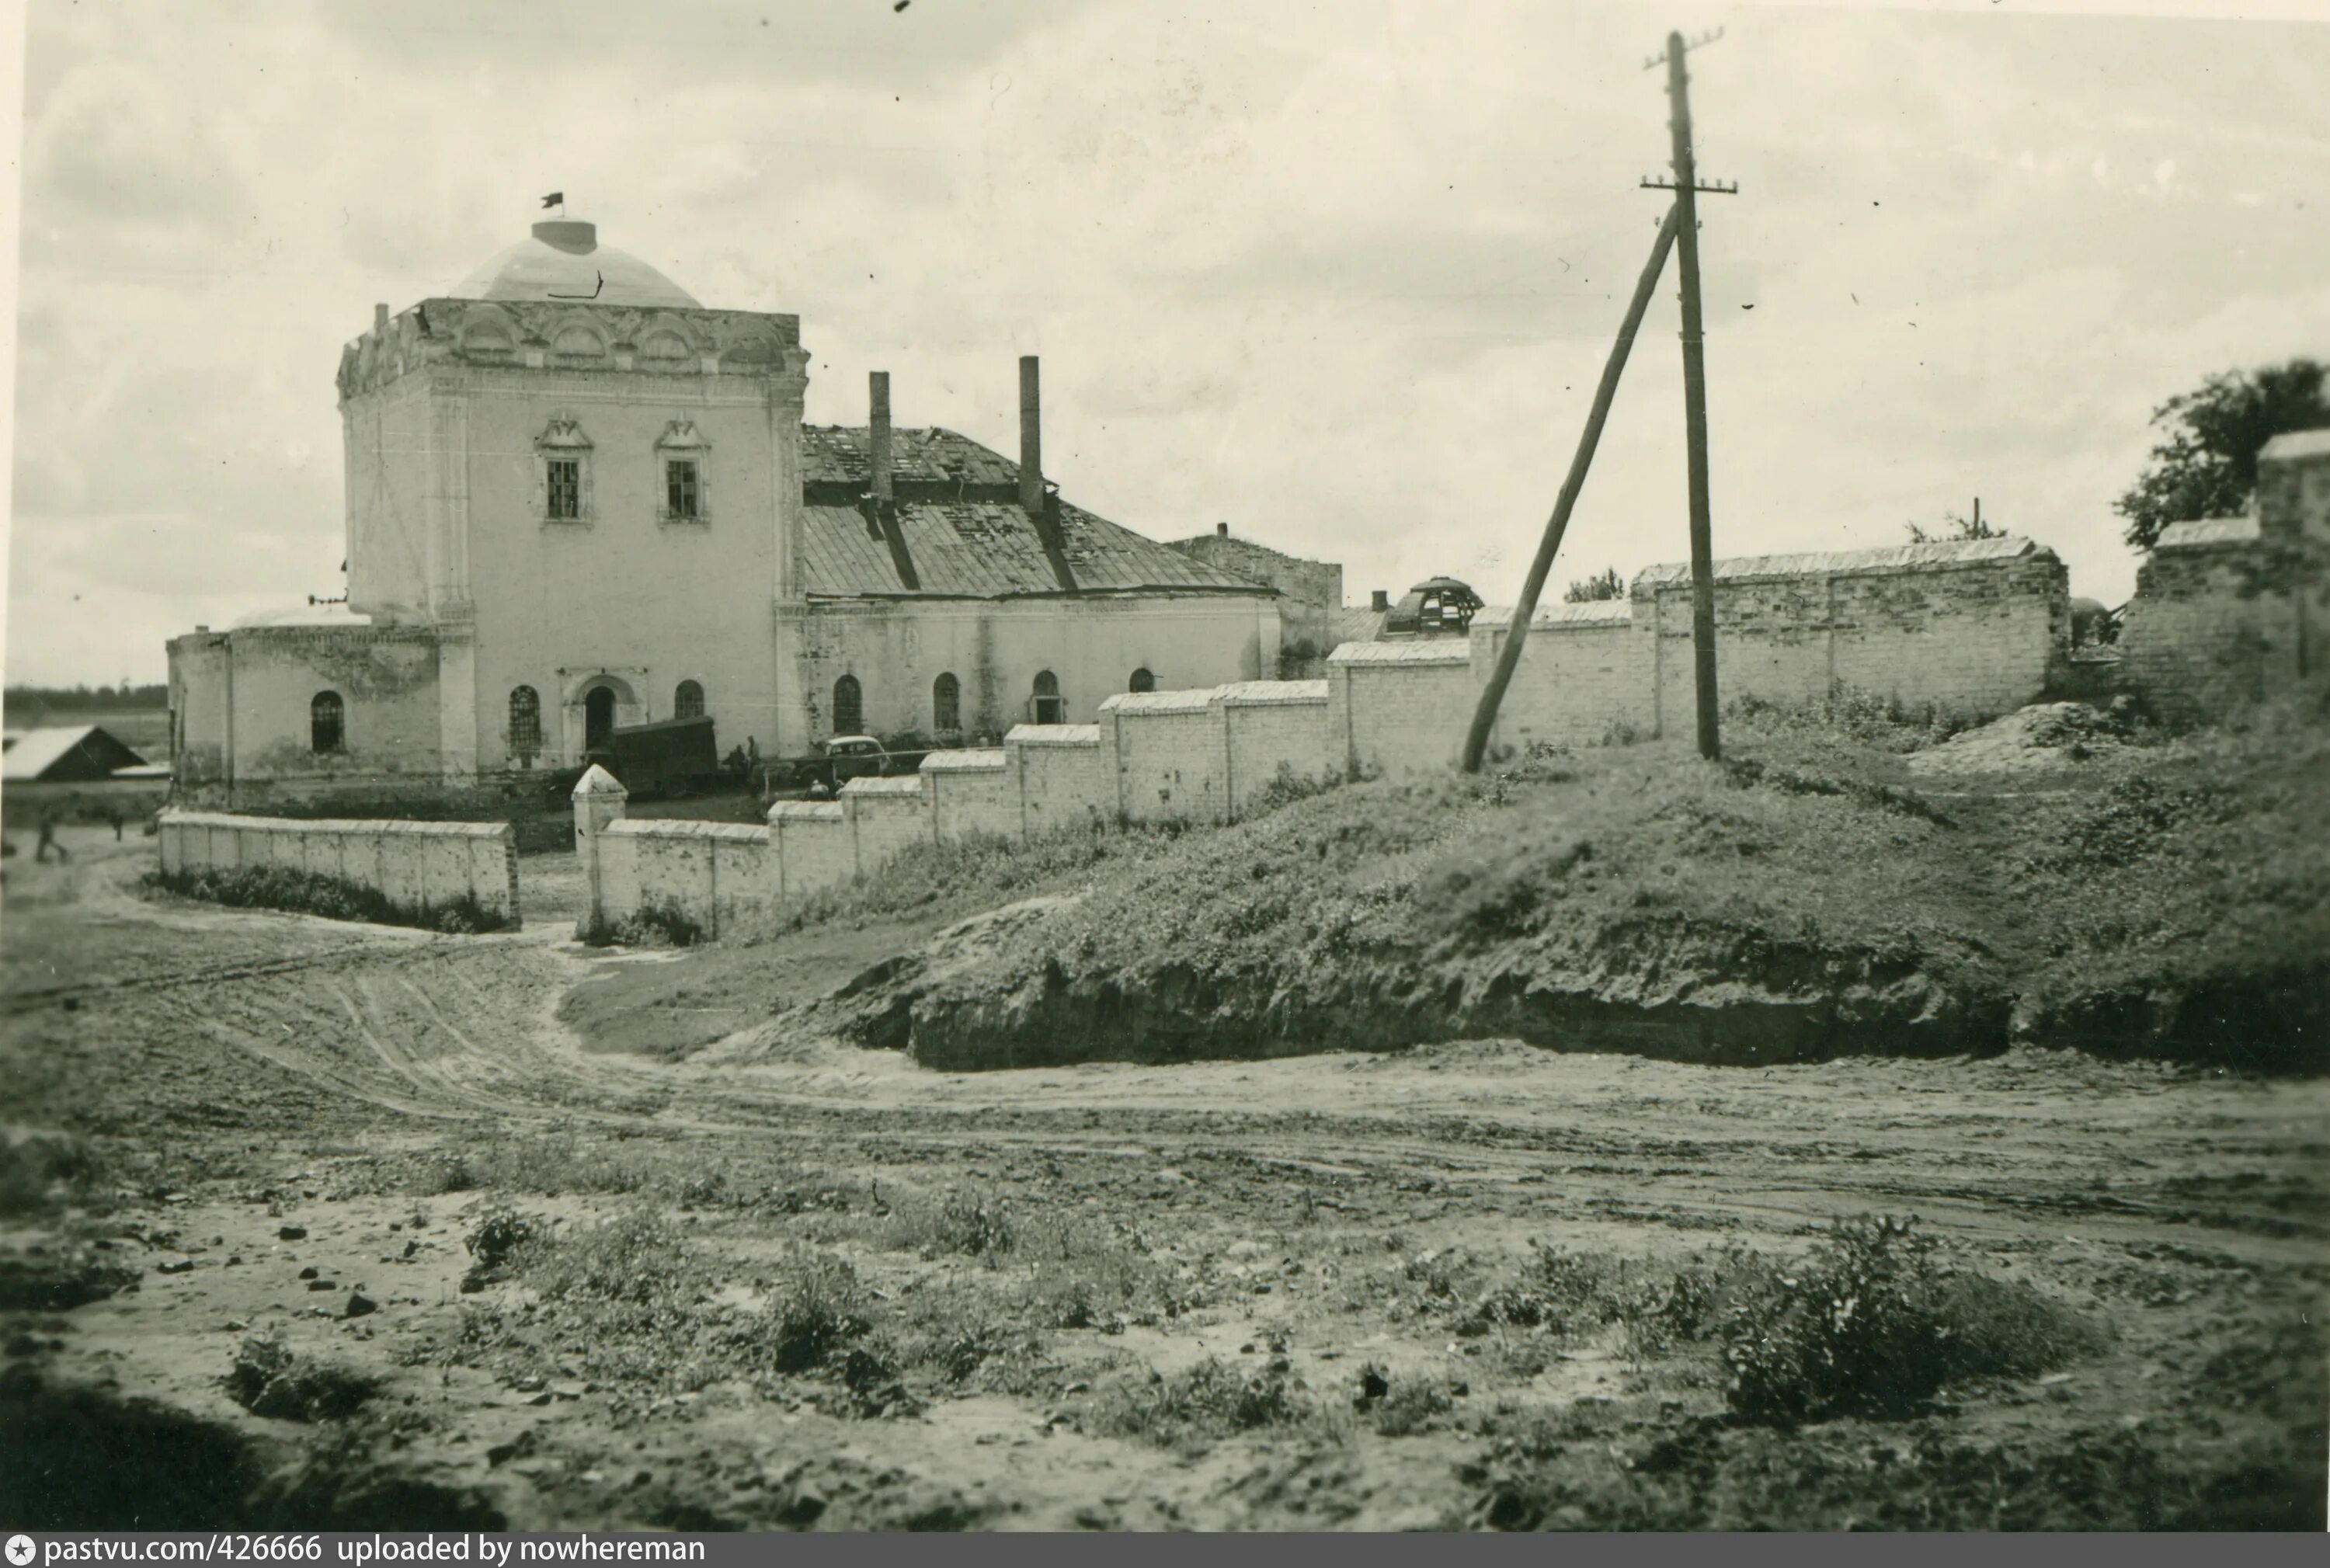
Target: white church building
x,y
576,498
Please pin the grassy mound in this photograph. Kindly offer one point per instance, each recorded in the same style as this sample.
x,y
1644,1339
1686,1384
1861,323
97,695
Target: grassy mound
x,y
1803,900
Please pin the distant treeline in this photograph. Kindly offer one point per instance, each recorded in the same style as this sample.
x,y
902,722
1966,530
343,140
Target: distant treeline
x,y
24,702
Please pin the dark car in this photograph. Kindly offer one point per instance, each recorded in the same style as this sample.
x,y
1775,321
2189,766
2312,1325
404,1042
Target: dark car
x,y
840,760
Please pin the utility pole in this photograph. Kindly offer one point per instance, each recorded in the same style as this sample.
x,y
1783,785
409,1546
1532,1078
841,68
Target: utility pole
x,y
1687,189
1484,717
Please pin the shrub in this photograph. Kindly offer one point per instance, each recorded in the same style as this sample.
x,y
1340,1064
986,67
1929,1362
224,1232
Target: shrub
x,y
969,1224
821,1311
493,1243
1209,1399
662,924
268,1380
43,1170
639,1258
1873,1325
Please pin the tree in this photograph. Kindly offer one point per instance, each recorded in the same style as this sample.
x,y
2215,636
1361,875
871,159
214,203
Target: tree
x,y
2207,465
1605,584
1953,526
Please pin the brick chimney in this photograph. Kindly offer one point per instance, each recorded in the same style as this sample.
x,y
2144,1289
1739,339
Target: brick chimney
x,y
1031,439
1379,600
877,440
380,321
1221,530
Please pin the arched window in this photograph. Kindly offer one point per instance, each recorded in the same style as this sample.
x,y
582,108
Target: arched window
x,y
848,706
1047,706
688,701
946,703
525,722
326,723
1143,681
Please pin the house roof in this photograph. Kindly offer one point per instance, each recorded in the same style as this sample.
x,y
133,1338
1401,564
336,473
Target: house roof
x,y
563,259
840,454
1354,623
40,753
983,546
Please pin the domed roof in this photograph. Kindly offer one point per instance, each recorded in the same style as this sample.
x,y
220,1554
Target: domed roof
x,y
565,260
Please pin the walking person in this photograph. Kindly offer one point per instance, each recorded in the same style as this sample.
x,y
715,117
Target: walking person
x,y
49,838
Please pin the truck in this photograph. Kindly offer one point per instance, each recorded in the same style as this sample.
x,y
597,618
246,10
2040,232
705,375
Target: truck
x,y
670,757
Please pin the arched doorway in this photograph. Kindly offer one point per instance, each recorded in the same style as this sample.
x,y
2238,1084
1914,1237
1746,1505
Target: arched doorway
x,y
598,716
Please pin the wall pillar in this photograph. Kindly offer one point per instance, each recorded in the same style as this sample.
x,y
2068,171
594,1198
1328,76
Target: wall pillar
x,y
599,800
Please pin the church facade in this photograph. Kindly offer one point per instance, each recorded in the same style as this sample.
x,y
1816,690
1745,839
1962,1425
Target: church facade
x,y
578,499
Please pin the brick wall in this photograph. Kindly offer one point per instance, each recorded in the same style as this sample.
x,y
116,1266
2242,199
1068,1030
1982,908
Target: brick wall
x,y
1165,750
1584,676
887,817
413,864
1063,781
721,874
1273,730
971,793
2232,609
1973,627
1399,709
813,846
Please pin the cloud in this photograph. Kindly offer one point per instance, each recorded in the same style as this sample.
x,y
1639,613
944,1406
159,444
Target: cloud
x,y
1342,275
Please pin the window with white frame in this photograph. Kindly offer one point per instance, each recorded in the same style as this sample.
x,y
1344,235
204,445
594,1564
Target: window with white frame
x,y
686,460
563,478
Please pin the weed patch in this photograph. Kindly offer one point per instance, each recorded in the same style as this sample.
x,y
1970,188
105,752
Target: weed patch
x,y
1872,1324
309,892
1189,1409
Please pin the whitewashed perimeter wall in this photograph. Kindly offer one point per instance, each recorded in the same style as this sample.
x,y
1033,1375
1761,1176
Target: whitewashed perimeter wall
x,y
1201,756
412,863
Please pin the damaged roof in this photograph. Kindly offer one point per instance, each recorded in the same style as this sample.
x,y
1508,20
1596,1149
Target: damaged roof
x,y
981,547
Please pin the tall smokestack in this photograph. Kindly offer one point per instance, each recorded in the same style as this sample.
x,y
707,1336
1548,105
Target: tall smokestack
x,y
1031,439
877,444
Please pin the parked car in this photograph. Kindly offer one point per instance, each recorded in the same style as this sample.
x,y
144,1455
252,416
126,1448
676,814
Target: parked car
x,y
840,760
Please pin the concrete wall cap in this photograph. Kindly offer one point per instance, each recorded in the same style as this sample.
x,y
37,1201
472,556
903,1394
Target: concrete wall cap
x,y
1272,694
2206,531
1435,651
1053,735
650,828
981,761
2291,445
1592,612
805,811
597,781
1190,700
1934,555
906,784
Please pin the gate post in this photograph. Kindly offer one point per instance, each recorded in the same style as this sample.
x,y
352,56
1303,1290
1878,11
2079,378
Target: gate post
x,y
597,800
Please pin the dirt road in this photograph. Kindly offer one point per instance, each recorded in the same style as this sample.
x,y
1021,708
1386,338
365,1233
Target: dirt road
x,y
238,1076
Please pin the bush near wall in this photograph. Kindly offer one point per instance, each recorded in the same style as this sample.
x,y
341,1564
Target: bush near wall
x,y
307,893
652,925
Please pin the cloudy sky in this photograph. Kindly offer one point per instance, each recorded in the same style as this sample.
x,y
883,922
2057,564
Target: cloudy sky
x,y
1342,275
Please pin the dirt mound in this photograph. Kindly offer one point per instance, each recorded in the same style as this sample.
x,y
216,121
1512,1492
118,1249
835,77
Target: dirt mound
x,y
2043,736
1802,902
